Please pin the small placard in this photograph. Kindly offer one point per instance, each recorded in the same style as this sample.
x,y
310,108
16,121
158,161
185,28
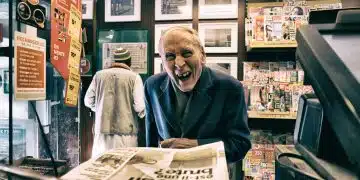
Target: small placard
x,y
72,87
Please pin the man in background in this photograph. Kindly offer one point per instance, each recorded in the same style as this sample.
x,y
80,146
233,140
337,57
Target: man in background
x,y
116,95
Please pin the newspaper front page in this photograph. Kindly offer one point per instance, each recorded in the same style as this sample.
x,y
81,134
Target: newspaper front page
x,y
205,162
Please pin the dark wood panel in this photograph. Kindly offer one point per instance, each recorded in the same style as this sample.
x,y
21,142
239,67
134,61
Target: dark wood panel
x,y
86,124
241,38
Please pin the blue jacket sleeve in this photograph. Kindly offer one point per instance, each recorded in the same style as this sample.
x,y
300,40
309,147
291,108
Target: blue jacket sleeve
x,y
236,136
150,126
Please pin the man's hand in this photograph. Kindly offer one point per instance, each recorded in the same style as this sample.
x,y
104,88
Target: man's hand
x,y
179,143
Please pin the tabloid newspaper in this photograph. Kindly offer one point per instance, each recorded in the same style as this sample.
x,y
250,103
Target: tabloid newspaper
x,y
206,162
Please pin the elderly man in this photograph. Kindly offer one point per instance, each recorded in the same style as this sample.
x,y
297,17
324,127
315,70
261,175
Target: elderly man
x,y
116,95
190,104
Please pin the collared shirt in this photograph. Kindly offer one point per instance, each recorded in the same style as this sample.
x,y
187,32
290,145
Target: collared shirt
x,y
182,99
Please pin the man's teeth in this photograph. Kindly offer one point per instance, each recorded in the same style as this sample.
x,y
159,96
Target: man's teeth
x,y
184,74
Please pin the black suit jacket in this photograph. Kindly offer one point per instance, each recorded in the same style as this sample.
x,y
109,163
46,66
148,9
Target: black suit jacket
x,y
217,113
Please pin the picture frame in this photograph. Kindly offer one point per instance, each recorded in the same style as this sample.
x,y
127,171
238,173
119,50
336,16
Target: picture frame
x,y
128,10
173,9
219,37
159,29
158,65
87,7
134,40
138,52
227,65
218,9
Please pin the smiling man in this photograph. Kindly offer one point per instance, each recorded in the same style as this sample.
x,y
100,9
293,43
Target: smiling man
x,y
189,104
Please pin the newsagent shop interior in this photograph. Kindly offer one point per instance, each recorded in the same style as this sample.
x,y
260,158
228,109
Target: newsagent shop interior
x,y
296,61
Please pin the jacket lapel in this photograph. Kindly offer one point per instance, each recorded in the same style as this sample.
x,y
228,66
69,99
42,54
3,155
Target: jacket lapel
x,y
167,101
199,101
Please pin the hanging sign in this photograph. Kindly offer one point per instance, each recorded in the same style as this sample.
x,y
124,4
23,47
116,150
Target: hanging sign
x,y
65,34
72,87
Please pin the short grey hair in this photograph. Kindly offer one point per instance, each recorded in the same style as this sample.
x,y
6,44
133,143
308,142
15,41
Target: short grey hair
x,y
191,31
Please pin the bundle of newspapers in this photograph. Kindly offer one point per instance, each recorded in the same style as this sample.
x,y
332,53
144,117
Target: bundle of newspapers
x,y
206,162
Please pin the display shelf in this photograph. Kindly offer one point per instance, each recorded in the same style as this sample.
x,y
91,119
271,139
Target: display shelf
x,y
272,115
274,45
271,54
272,49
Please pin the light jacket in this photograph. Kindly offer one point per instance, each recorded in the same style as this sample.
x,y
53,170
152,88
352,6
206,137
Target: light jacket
x,y
116,95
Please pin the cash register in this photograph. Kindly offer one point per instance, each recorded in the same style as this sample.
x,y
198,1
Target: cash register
x,y
327,129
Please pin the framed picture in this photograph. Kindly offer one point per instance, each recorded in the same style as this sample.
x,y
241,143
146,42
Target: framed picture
x,y
219,37
122,10
158,65
161,28
173,9
227,65
87,9
218,9
138,52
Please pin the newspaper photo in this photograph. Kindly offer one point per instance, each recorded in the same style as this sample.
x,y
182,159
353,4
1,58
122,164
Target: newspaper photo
x,y
205,162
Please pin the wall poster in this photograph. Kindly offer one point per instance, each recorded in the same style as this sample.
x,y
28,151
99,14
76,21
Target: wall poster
x,y
218,9
87,9
173,9
65,33
30,67
219,37
160,29
138,52
122,11
72,87
136,41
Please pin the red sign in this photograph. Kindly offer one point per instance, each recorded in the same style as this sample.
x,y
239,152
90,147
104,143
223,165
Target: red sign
x,y
64,14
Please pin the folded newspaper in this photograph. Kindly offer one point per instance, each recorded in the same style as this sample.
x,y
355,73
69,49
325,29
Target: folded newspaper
x,y
206,162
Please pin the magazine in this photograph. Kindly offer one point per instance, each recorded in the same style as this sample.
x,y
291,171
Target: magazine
x,y
205,162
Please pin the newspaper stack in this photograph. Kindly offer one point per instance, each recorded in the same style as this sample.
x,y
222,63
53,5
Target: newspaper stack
x,y
205,162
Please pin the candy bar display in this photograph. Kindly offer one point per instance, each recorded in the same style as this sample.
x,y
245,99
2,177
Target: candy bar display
x,y
274,87
275,24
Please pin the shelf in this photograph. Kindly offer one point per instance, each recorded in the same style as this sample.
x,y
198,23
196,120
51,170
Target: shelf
x,y
274,45
271,54
272,115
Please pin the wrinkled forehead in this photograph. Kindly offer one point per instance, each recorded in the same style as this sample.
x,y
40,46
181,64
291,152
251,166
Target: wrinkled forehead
x,y
180,34
178,37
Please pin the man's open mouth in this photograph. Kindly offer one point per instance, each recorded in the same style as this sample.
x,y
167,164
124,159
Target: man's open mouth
x,y
184,76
